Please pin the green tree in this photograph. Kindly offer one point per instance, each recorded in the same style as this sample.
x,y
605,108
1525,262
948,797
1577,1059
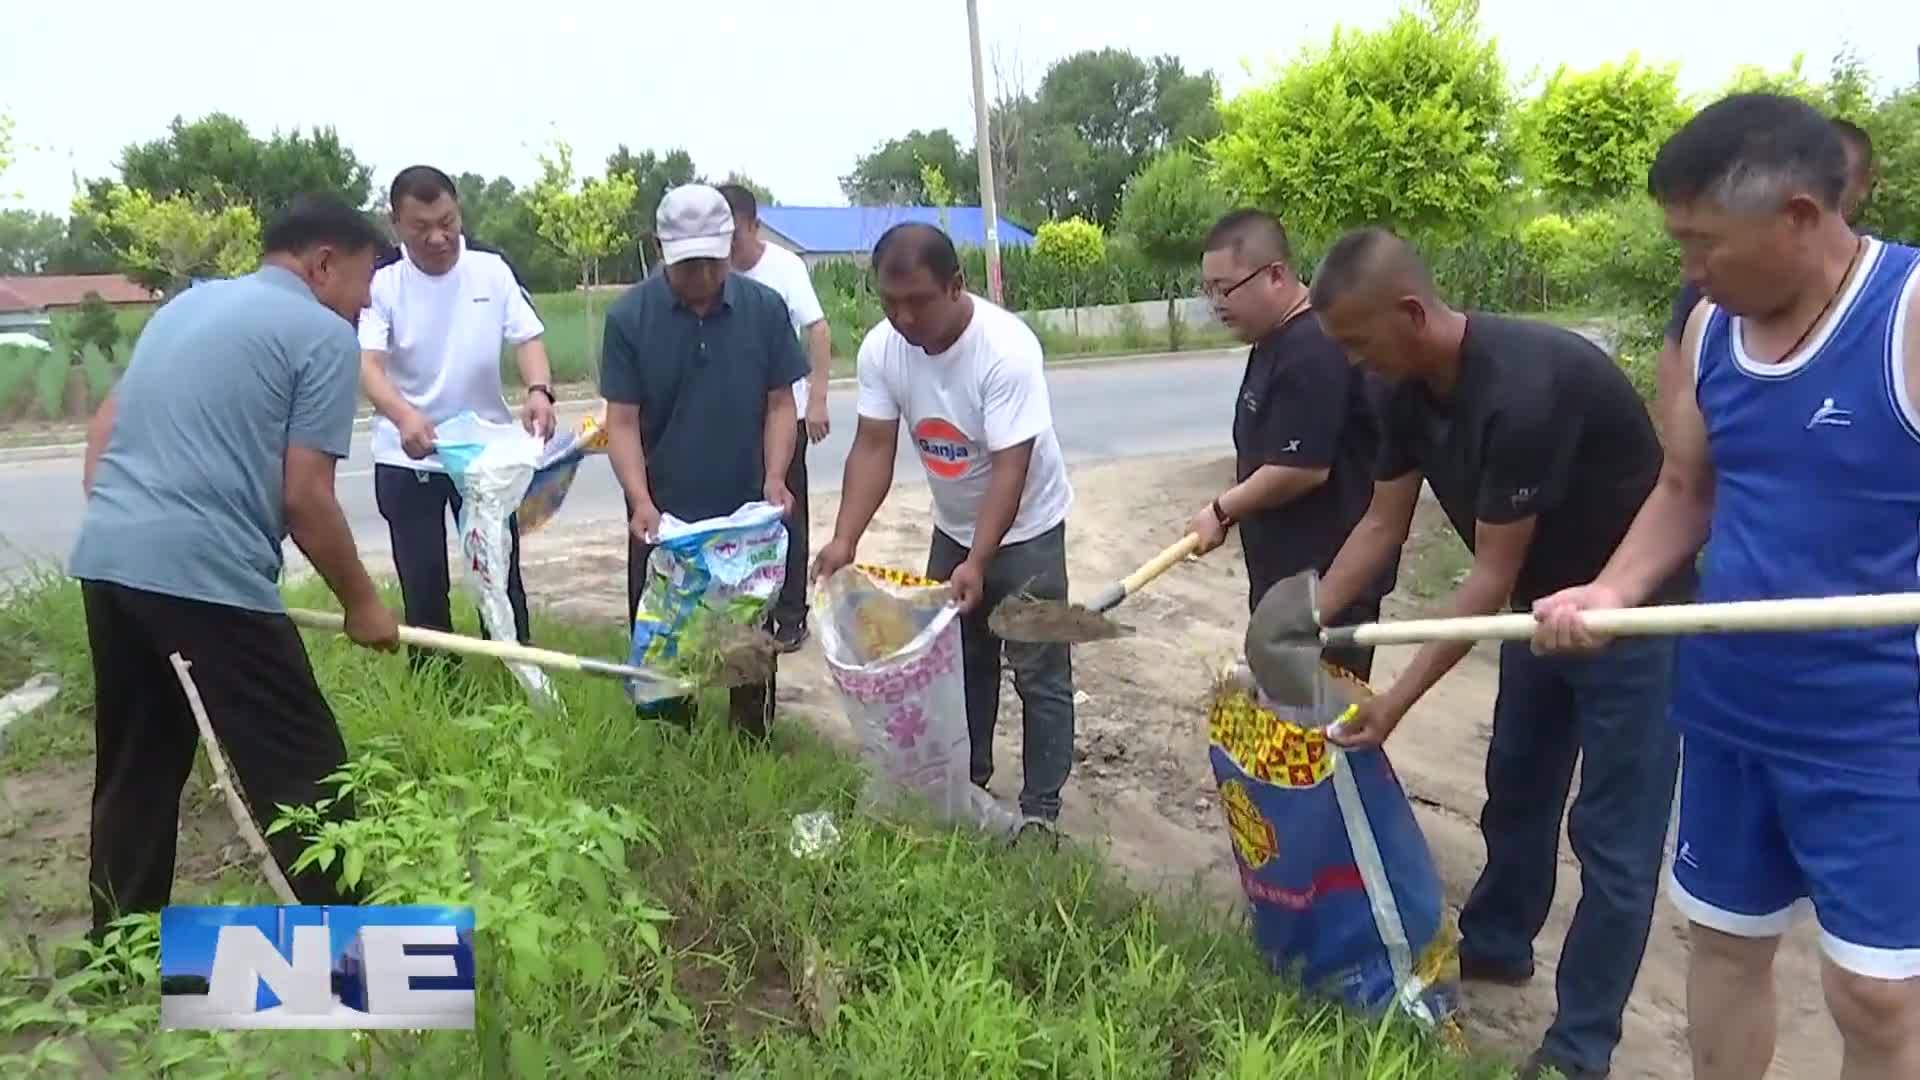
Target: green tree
x,y
216,162
587,221
163,243
1894,209
1168,208
95,326
1101,115
498,215
892,175
1405,126
6,146
653,175
1075,247
29,241
1590,136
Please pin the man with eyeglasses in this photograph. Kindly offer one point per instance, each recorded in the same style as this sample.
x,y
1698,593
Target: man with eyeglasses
x,y
1304,428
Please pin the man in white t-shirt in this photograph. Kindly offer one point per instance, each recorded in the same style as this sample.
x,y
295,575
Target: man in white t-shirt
x,y
965,377
430,350
783,272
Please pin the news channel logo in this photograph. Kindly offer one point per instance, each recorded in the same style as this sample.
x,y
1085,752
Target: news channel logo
x,y
391,966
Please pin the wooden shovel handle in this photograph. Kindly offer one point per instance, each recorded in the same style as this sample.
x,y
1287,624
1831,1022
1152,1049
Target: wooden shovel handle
x,y
1134,582
510,651
1160,563
1741,616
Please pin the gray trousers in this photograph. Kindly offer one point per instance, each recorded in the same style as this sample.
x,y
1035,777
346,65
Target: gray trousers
x,y
1042,674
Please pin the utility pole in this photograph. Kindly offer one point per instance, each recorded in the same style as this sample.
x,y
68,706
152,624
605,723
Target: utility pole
x,y
983,149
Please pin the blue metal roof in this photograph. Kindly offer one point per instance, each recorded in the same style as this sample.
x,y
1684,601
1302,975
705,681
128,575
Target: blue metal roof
x,y
848,229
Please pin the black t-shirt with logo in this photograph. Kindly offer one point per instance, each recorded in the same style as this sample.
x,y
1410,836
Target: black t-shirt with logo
x,y
1303,405
1543,424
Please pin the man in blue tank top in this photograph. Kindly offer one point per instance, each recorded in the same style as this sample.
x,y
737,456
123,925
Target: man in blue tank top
x,y
1792,428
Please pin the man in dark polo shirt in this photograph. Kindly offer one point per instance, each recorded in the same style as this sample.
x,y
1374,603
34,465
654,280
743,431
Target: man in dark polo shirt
x,y
1860,178
1304,431
698,372
1540,453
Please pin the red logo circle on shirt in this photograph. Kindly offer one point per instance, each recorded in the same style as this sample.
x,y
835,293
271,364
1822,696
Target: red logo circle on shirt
x,y
944,449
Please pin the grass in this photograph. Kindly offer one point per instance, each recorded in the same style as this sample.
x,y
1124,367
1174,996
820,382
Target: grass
x,y
640,913
1434,561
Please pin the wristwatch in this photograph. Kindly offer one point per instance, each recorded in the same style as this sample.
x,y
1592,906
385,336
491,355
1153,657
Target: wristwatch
x,y
542,388
1220,514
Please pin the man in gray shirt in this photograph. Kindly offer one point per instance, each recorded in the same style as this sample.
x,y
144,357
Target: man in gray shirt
x,y
220,441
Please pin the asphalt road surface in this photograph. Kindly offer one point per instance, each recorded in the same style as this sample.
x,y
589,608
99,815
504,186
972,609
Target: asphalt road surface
x,y
1105,410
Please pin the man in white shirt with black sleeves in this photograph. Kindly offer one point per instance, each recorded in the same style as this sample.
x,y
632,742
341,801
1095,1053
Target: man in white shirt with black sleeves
x,y
965,378
430,350
784,272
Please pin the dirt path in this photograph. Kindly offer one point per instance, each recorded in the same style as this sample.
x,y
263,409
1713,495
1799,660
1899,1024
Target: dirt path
x,y
1141,783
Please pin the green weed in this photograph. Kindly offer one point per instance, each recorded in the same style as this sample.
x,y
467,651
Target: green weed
x,y
639,912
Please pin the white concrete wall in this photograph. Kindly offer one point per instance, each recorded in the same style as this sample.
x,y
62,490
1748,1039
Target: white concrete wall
x,y
1103,320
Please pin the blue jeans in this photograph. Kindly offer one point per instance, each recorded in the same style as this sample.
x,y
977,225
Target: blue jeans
x,y
1610,712
1042,674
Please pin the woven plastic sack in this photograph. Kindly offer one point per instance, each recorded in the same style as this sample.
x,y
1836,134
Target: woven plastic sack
x,y
729,568
559,463
491,463
892,645
1341,887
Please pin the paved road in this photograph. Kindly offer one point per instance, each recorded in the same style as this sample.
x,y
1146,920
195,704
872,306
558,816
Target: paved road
x,y
1106,410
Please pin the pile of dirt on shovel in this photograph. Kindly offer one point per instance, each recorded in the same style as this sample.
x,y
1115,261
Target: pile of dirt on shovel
x,y
1029,618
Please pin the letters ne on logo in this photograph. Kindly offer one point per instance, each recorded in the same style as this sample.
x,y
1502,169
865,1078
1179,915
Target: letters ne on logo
x,y
316,967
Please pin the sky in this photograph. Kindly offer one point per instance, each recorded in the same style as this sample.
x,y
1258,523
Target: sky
x,y
789,93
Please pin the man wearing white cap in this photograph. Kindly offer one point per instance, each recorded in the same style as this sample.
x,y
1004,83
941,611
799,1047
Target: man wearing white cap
x,y
698,371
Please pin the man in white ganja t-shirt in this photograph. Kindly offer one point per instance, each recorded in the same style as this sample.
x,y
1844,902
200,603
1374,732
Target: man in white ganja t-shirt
x,y
965,377
430,350
783,272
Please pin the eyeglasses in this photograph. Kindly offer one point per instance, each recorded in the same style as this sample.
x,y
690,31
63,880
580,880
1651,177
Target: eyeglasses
x,y
1214,292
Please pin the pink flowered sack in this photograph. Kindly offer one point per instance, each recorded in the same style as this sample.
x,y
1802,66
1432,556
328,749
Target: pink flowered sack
x,y
892,644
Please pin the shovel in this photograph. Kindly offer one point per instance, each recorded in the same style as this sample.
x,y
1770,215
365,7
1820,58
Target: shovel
x,y
1284,637
652,685
1022,618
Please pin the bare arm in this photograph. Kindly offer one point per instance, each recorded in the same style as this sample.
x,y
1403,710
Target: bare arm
x,y
319,528
624,452
820,356
1270,488
1006,482
1672,524
530,356
780,432
1371,544
1499,551
99,429
868,476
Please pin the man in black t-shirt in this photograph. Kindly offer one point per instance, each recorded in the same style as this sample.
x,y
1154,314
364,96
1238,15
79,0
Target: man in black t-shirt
x,y
1304,430
1540,453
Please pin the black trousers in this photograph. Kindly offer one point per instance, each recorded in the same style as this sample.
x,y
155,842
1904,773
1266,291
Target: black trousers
x,y
279,735
415,503
750,708
790,607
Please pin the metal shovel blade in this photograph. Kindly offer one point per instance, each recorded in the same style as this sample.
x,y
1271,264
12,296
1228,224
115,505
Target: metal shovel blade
x,y
1283,640
1030,619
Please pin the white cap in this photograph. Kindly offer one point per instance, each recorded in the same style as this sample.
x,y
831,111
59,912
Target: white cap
x,y
694,222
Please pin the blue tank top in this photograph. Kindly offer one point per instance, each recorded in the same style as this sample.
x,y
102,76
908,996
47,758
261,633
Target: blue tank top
x,y
1817,493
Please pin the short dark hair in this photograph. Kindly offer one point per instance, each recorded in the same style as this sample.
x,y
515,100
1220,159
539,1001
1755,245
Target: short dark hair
x,y
421,183
314,219
741,201
1248,231
1372,256
1750,150
913,244
1857,135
